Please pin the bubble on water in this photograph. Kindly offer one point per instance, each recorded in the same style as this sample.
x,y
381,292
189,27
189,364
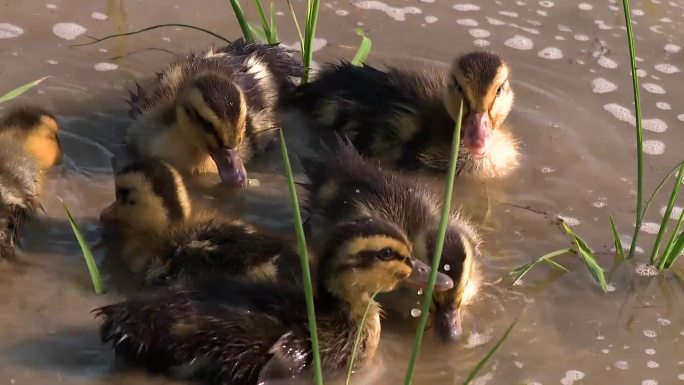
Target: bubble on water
x,y
606,62
600,337
620,112
653,88
610,287
546,4
571,376
637,12
672,48
650,333
415,313
466,7
508,13
551,53
655,125
681,376
585,7
559,37
667,68
480,43
68,31
650,227
652,365
519,42
680,117
641,73
602,86
447,267
494,21
674,215
599,204
647,271
341,12
664,106
420,291
431,19
624,365
475,340
99,16
467,22
581,37
8,31
613,8
546,170
542,12
649,382
478,33
570,221
396,13
52,61
50,6
105,67
564,28
654,147
650,352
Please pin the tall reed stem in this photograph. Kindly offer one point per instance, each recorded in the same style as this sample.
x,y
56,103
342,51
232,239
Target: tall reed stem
x,y
437,257
242,20
312,7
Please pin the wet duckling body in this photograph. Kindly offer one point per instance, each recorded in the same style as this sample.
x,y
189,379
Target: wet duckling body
x,y
151,226
343,185
233,331
210,112
406,119
29,145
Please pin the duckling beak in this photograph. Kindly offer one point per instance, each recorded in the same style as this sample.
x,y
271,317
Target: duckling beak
x,y
477,133
447,323
420,276
230,167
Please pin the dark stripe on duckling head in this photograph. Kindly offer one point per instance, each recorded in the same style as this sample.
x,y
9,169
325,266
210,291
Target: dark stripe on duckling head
x,y
479,69
166,184
25,117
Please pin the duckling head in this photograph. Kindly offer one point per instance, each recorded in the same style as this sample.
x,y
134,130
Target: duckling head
x,y
211,111
38,130
481,80
150,195
369,255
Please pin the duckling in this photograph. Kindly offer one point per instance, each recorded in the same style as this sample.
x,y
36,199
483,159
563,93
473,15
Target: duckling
x,y
344,184
234,330
210,112
406,119
29,145
151,226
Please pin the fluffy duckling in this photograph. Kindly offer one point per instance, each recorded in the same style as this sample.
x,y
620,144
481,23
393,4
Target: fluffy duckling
x,y
151,226
29,145
208,113
344,185
233,331
406,119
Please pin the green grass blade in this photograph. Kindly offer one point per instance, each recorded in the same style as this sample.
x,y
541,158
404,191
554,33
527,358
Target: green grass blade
x,y
357,339
258,33
667,254
242,20
639,130
676,250
20,90
616,238
309,33
436,258
517,274
557,265
588,257
304,261
666,217
296,23
150,29
473,373
647,204
274,28
364,48
264,22
98,284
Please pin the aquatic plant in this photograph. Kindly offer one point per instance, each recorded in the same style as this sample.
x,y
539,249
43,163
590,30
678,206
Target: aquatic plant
x,y
474,372
20,90
98,284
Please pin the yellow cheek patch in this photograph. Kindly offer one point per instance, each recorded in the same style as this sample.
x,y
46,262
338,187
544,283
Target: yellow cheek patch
x,y
148,212
46,150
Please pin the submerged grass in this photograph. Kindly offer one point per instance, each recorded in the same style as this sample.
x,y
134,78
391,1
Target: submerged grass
x,y
474,372
98,284
20,90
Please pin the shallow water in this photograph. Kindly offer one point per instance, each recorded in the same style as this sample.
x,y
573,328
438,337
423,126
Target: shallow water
x,y
572,79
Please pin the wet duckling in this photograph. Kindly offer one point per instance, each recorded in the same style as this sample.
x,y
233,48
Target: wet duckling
x,y
344,185
151,226
406,119
29,145
233,331
210,112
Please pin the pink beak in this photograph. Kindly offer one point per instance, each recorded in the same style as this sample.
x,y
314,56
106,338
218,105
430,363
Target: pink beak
x,y
477,133
230,167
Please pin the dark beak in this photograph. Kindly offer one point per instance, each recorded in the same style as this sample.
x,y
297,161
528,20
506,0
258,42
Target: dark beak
x,y
447,324
420,276
230,167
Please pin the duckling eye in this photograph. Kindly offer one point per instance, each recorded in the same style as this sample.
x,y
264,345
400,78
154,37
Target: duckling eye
x,y
455,85
498,90
386,254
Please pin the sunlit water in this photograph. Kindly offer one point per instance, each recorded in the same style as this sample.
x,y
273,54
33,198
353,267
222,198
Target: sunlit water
x,y
573,114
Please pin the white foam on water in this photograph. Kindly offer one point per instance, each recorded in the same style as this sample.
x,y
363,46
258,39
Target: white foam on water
x,y
521,3
667,68
664,321
541,12
650,352
478,33
602,86
606,62
664,106
526,29
508,13
431,19
551,53
8,31
571,376
652,365
620,112
672,48
536,23
480,43
318,44
613,8
647,271
680,117
546,4
467,22
580,37
50,6
653,88
641,73
610,288
99,16
428,1
637,12
665,20
341,12
649,382
68,31
105,67
396,13
624,365
466,7
52,61
559,37
674,215
656,29
547,170
570,221
475,340
519,42
564,28
654,125
654,147
650,227
585,6
494,21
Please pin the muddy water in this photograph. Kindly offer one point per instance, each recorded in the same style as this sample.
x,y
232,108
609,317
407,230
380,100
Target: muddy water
x,y
571,76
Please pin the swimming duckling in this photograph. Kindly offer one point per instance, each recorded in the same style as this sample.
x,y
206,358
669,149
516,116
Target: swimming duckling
x,y
29,145
151,226
210,112
344,185
234,330
406,119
